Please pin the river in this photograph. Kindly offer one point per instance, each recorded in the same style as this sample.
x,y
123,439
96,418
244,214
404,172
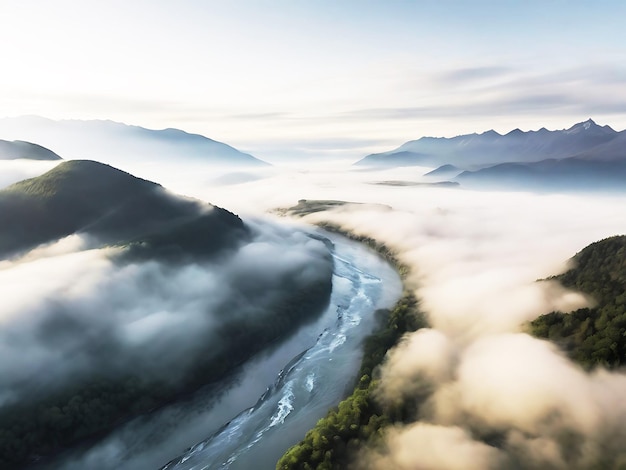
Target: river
x,y
250,419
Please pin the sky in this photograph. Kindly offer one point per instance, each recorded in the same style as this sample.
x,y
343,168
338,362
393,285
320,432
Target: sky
x,y
293,78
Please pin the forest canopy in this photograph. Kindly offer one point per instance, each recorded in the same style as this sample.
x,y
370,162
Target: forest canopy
x,y
593,336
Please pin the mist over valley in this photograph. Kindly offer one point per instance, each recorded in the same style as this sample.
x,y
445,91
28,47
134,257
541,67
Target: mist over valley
x,y
141,297
126,306
312,235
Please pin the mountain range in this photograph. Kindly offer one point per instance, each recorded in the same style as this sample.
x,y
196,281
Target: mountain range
x,y
473,151
119,144
586,156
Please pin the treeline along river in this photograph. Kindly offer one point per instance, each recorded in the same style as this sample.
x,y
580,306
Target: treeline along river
x,y
250,419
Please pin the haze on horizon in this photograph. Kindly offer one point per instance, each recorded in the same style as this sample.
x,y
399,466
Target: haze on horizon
x,y
284,78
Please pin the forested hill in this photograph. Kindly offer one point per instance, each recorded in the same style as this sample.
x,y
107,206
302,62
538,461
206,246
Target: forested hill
x,y
594,336
188,294
83,196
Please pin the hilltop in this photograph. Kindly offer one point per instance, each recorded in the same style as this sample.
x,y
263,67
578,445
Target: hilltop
x,y
83,196
18,149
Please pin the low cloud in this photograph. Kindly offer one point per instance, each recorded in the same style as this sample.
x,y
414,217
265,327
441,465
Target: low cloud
x,y
69,310
427,446
12,171
416,364
463,76
483,389
479,383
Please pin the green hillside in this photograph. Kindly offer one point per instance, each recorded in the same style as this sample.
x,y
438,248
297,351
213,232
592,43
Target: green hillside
x,y
594,336
83,196
114,207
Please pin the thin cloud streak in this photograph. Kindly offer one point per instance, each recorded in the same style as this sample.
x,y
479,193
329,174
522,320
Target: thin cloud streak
x,y
384,106
313,71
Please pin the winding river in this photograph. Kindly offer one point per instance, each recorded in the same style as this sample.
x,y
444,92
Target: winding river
x,y
250,419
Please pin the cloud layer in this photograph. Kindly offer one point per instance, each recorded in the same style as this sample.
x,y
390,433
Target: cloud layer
x,y
487,392
69,310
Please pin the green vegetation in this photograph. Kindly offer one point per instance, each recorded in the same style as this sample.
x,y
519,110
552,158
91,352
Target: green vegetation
x,y
306,206
115,207
359,420
44,425
38,428
594,336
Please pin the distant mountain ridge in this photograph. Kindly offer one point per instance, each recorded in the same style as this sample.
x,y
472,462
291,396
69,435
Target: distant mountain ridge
x,y
19,149
117,143
472,151
585,157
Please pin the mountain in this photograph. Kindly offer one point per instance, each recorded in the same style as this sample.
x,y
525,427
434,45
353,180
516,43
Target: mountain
x,y
20,149
474,151
82,196
568,174
613,150
444,172
118,144
187,295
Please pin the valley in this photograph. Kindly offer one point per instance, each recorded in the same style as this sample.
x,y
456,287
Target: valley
x,y
313,235
168,332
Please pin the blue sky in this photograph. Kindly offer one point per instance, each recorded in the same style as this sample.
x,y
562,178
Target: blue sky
x,y
318,77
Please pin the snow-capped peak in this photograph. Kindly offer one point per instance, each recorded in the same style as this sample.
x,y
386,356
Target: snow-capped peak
x,y
582,126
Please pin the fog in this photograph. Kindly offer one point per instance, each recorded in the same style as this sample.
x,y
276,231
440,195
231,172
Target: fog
x,y
143,152
488,394
12,171
70,309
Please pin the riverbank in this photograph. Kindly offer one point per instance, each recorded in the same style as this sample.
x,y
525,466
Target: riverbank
x,y
272,395
359,420
325,374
